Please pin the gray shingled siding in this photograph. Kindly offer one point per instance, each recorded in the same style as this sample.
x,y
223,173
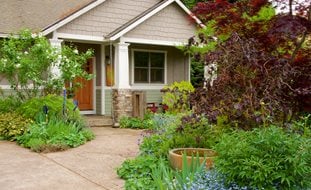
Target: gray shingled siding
x,y
6,92
107,17
98,101
153,96
3,81
170,24
108,100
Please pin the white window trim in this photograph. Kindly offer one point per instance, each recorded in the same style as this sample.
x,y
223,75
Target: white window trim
x,y
143,85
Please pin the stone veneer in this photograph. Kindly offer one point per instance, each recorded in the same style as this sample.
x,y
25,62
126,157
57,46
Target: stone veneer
x,y
122,103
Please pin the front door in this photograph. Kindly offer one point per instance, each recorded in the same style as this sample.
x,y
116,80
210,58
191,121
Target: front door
x,y
84,95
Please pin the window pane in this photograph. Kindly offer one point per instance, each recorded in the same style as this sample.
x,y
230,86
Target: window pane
x,y
157,60
141,59
141,75
157,75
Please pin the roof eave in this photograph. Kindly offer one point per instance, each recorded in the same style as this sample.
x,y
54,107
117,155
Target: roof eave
x,y
61,22
118,33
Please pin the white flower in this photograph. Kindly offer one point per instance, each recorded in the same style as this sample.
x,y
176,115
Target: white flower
x,y
18,57
26,52
18,66
75,51
34,35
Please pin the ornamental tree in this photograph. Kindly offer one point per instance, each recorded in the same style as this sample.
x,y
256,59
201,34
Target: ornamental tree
x,y
26,60
263,60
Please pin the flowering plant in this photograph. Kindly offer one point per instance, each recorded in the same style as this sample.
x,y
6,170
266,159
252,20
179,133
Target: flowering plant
x,y
27,59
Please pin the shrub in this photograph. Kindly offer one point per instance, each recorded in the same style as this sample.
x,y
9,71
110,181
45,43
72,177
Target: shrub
x,y
33,108
54,135
302,126
135,123
258,63
176,96
265,158
137,172
196,131
9,104
12,125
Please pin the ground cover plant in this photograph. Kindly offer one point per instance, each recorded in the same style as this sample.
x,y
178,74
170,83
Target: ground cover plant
x,y
267,158
54,135
13,125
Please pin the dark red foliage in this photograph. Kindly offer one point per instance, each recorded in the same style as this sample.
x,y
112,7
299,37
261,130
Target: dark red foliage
x,y
264,68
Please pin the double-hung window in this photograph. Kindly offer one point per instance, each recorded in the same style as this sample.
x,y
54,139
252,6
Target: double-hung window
x,y
149,67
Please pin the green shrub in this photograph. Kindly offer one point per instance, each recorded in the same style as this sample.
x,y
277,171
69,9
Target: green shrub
x,y
135,123
302,126
265,158
33,108
9,104
12,125
138,172
54,135
176,96
196,131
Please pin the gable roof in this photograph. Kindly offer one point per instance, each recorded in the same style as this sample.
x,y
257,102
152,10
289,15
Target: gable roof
x,y
65,11
145,15
35,14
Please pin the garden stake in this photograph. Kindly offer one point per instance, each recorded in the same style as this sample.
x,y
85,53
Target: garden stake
x,y
64,103
45,111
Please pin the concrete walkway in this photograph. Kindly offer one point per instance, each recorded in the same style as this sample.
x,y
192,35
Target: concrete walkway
x,y
89,167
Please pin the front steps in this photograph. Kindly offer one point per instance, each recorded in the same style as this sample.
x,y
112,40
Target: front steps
x,y
98,120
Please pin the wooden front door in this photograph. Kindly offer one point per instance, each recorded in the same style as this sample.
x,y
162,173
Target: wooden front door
x,y
84,95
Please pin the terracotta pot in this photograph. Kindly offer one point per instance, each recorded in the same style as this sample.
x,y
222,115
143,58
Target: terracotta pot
x,y
176,160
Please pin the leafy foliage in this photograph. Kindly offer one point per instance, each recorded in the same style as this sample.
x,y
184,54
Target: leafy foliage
x,y
12,125
136,123
9,104
263,62
137,172
33,108
197,74
54,136
26,62
176,96
265,158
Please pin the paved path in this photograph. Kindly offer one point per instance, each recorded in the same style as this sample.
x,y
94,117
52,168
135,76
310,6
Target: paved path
x,y
88,167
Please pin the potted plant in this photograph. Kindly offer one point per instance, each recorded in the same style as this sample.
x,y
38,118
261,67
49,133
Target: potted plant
x,y
176,155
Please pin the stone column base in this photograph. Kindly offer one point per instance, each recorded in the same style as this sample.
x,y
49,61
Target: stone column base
x,y
122,104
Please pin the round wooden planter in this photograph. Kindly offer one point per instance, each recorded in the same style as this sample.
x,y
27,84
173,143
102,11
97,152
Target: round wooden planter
x,y
176,160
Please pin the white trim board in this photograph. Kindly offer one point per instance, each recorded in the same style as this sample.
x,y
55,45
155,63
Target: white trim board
x,y
141,20
150,14
53,27
73,16
151,42
5,87
66,36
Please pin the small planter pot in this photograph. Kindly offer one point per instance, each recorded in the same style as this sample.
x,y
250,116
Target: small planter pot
x,y
176,158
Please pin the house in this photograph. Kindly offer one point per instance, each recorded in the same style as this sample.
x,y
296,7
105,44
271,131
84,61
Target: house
x,y
134,41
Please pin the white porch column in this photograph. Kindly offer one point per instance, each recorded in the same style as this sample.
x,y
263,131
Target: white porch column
x,y
122,67
57,44
103,77
121,95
